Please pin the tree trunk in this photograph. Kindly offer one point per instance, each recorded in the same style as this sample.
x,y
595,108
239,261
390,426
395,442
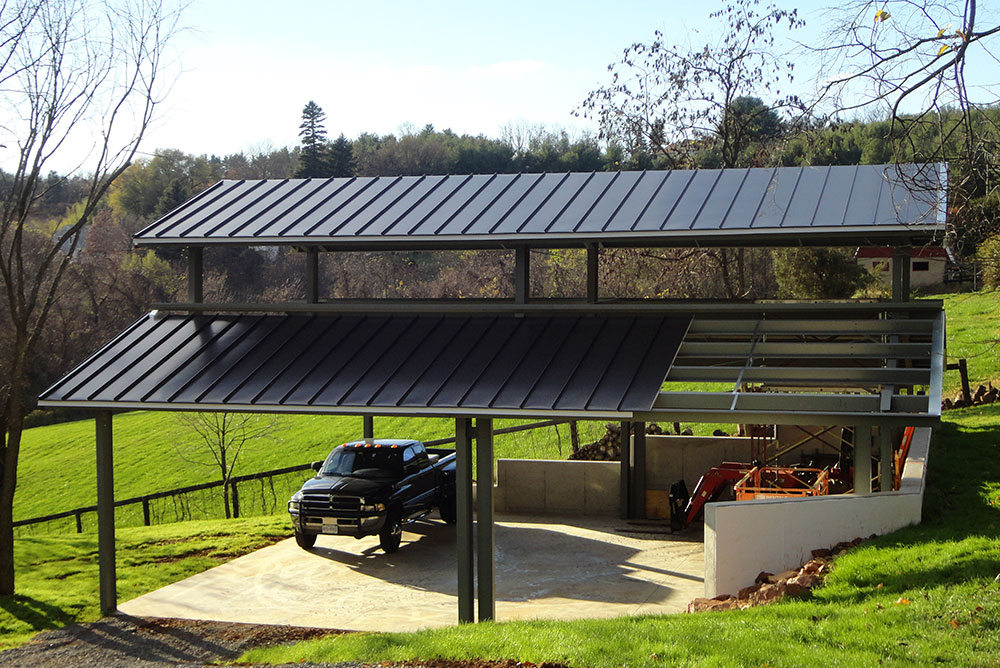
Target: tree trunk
x,y
225,482
14,424
574,436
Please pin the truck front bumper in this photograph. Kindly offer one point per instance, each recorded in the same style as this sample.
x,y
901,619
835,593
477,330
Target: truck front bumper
x,y
357,526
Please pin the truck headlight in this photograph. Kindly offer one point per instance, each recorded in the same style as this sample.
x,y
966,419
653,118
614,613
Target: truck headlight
x,y
294,503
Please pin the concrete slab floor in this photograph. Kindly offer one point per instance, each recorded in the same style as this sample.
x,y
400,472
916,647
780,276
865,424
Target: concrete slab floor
x,y
566,568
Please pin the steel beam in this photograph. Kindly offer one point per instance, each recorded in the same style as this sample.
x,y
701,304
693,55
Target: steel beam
x,y
106,513
368,427
463,521
593,264
485,581
195,274
522,275
797,349
862,459
805,376
569,306
625,476
777,416
788,402
708,327
312,276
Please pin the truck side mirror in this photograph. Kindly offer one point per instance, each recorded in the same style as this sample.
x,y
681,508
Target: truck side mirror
x,y
316,466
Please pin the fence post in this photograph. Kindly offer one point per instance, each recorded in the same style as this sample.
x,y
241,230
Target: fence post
x,y
79,522
145,511
963,372
236,500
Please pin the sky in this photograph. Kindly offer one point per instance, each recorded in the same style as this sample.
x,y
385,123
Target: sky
x,y
246,70
241,72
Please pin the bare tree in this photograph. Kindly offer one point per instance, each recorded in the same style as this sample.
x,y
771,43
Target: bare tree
x,y
72,74
931,67
221,440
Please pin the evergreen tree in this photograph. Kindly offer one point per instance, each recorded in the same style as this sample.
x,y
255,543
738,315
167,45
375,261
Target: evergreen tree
x,y
313,158
341,157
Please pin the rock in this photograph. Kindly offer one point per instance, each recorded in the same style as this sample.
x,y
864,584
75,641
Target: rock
x,y
712,604
813,566
747,592
723,597
719,432
785,575
806,580
766,594
687,432
793,589
763,577
822,552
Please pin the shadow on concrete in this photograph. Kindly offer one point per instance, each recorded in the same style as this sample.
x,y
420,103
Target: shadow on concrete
x,y
531,562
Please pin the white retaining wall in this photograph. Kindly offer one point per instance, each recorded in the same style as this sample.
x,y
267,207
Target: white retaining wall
x,y
746,537
557,487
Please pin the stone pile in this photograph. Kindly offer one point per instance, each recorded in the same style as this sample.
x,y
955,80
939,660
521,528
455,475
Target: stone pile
x,y
984,394
768,587
609,447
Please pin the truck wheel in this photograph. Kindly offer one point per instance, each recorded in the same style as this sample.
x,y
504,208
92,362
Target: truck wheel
x,y
448,510
305,540
391,534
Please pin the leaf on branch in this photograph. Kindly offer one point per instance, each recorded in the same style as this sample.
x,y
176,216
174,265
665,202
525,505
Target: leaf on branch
x,y
881,16
962,35
943,49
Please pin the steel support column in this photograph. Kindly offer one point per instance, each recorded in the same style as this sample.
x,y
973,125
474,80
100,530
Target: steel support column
x,y
863,459
463,523
639,470
195,274
901,275
592,266
106,514
885,458
522,274
625,477
312,276
368,427
484,520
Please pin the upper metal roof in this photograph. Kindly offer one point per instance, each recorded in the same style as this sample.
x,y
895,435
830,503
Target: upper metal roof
x,y
864,204
423,364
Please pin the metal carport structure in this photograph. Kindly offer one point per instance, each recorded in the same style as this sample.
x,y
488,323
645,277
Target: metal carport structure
x,y
481,359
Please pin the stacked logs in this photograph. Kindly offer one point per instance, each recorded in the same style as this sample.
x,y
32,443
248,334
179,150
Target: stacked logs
x,y
984,394
609,447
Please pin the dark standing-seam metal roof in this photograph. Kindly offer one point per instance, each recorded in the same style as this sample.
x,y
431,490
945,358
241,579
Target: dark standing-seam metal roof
x,y
379,364
852,204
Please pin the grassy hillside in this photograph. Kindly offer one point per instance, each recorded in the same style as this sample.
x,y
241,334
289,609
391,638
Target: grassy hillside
x,y
57,461
922,596
973,333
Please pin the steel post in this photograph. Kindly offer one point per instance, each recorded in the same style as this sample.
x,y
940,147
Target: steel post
x,y
484,520
106,514
195,274
863,459
592,267
522,274
901,275
625,477
639,470
312,276
884,458
463,524
368,427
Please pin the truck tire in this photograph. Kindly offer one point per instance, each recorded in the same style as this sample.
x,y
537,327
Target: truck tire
x,y
391,534
305,540
448,510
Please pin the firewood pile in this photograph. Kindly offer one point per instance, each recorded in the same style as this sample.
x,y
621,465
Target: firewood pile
x,y
609,447
768,587
984,394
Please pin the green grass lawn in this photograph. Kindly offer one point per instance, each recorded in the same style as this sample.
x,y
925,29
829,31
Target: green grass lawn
x,y
922,596
57,575
973,333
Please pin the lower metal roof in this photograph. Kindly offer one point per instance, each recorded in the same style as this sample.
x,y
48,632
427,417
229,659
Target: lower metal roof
x,y
425,364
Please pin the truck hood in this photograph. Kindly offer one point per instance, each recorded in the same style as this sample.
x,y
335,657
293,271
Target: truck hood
x,y
346,485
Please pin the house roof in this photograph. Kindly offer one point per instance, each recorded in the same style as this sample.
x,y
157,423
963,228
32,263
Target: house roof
x,y
835,205
417,364
934,252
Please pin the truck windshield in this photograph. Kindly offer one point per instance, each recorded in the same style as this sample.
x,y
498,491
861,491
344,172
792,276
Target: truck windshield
x,y
367,463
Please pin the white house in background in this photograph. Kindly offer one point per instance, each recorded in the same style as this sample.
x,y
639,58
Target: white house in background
x,y
927,264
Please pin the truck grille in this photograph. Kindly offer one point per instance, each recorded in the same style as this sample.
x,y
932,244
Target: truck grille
x,y
334,505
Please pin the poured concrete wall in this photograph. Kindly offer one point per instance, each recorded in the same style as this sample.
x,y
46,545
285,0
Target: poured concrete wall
x,y
672,458
557,487
747,537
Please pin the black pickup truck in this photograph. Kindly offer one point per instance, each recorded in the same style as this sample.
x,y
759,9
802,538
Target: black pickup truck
x,y
364,489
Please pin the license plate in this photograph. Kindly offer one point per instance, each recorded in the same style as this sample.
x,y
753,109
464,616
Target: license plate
x,y
330,526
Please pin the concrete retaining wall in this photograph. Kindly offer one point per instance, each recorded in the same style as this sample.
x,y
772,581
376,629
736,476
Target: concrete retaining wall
x,y
671,458
557,487
746,537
